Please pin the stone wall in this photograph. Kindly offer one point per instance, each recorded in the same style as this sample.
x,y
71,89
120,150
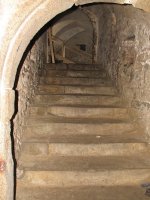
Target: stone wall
x,y
124,48
26,87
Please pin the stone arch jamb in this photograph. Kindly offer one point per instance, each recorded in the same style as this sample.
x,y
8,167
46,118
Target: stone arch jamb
x,y
39,12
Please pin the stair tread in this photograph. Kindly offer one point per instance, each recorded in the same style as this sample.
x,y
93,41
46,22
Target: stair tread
x,y
40,120
73,132
79,95
77,86
78,99
76,81
75,89
75,149
101,79
86,139
74,66
83,193
78,106
83,163
83,126
76,73
106,177
75,112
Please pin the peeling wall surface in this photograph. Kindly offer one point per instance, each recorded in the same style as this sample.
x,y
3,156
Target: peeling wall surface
x,y
124,49
27,85
19,22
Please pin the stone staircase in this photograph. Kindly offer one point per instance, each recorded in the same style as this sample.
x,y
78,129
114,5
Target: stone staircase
x,y
80,142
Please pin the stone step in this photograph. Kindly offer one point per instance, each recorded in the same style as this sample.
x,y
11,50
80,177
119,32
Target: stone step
x,y
60,89
68,149
109,178
81,163
104,131
77,100
51,137
76,73
75,67
80,112
34,120
82,193
75,81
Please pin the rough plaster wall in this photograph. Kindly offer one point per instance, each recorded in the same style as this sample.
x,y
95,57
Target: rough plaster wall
x,y
124,48
26,87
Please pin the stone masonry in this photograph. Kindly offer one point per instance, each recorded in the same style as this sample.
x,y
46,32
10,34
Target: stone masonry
x,y
26,86
124,49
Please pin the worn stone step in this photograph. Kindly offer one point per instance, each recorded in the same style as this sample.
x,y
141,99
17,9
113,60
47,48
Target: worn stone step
x,y
80,112
76,73
77,67
60,89
78,138
67,149
75,81
77,100
37,120
83,193
81,163
131,177
47,130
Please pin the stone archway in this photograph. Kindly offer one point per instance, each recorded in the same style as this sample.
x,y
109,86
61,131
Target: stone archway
x,y
20,22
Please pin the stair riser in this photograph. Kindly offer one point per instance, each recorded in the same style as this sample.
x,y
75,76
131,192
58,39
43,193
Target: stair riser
x,y
76,100
69,179
51,89
74,81
77,112
85,139
76,74
114,149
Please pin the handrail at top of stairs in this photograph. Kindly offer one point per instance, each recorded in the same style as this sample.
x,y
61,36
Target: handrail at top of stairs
x,y
51,39
78,51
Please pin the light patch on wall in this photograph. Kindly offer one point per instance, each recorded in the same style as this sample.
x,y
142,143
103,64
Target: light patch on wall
x,y
2,88
71,33
59,25
81,2
5,13
114,20
1,138
130,1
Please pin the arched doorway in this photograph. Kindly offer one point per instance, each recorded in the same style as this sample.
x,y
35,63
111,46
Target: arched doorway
x,y
32,18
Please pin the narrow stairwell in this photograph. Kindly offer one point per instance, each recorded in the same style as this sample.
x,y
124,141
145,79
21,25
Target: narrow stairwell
x,y
80,142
